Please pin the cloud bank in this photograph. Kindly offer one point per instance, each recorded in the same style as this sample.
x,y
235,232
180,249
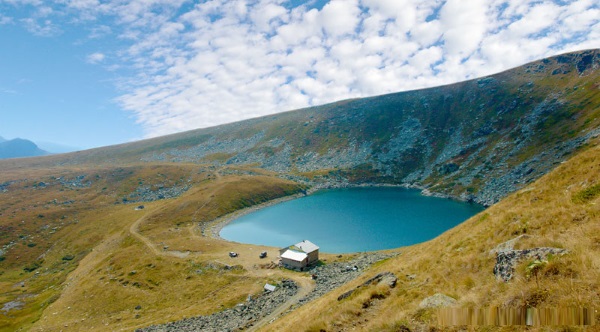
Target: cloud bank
x,y
198,64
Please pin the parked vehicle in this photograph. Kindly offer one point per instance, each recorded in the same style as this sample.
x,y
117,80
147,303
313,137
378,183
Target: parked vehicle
x,y
263,254
233,254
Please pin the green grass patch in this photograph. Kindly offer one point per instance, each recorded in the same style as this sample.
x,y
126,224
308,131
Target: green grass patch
x,y
68,258
32,267
587,194
218,157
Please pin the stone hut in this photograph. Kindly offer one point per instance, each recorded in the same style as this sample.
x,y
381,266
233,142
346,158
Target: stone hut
x,y
299,255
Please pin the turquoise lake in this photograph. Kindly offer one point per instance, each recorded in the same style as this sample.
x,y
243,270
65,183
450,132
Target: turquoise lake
x,y
351,220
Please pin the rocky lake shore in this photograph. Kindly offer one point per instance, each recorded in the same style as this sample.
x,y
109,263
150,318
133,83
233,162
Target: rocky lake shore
x,y
327,277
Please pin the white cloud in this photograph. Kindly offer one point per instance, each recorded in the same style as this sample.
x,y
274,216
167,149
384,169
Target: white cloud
x,y
95,58
41,27
464,26
216,61
5,20
8,91
99,31
340,17
268,15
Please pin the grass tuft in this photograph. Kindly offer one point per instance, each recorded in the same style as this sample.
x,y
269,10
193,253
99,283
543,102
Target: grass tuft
x,y
587,194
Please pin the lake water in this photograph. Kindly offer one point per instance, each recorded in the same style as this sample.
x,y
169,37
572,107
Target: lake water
x,y
351,220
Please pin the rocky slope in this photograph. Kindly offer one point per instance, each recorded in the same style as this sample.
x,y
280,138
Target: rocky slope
x,y
476,140
68,244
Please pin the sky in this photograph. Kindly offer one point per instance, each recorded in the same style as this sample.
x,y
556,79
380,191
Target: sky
x,y
91,73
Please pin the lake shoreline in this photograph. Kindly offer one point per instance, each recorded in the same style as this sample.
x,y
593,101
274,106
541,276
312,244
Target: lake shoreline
x,y
214,228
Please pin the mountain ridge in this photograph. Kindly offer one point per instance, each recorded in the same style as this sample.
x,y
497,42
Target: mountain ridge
x,y
78,251
19,148
474,140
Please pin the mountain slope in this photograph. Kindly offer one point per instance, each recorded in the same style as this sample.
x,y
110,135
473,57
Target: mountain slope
x,y
476,140
18,147
560,210
76,253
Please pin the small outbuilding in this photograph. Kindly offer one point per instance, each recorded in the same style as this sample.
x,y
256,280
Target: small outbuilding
x,y
270,288
299,255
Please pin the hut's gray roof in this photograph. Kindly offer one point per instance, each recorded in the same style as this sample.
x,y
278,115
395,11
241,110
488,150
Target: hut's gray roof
x,y
294,255
306,246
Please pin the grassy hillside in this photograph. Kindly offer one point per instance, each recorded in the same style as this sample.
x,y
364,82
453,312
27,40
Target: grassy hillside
x,y
475,140
559,210
78,251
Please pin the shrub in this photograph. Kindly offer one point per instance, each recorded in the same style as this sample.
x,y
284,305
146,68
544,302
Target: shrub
x,y
32,267
468,282
423,315
533,268
317,327
400,326
536,297
587,194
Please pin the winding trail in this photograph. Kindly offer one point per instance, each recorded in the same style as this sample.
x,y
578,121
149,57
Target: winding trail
x,y
305,286
134,228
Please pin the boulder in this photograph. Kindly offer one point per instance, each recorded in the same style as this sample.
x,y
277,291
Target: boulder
x,y
386,278
506,260
437,300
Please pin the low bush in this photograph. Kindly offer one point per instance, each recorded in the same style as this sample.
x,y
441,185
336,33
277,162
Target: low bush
x,y
587,194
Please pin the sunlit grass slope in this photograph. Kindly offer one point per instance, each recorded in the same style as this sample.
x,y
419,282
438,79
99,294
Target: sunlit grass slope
x,y
560,210
76,254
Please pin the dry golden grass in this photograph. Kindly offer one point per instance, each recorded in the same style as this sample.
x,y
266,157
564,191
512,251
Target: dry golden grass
x,y
459,263
100,259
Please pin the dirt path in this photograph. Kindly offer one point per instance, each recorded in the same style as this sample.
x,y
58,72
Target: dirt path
x,y
305,286
134,228
90,262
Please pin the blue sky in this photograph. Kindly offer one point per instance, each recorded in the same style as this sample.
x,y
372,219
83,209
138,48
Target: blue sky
x,y
89,73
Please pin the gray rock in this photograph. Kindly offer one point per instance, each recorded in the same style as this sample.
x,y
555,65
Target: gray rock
x,y
334,275
508,245
386,278
243,316
437,300
239,317
146,193
506,260
12,305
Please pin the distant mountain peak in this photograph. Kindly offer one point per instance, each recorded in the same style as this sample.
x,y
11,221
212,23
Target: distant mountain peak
x,y
18,147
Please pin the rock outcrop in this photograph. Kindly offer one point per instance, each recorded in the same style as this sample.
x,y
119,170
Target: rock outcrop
x,y
386,278
239,317
437,300
477,140
507,260
244,315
